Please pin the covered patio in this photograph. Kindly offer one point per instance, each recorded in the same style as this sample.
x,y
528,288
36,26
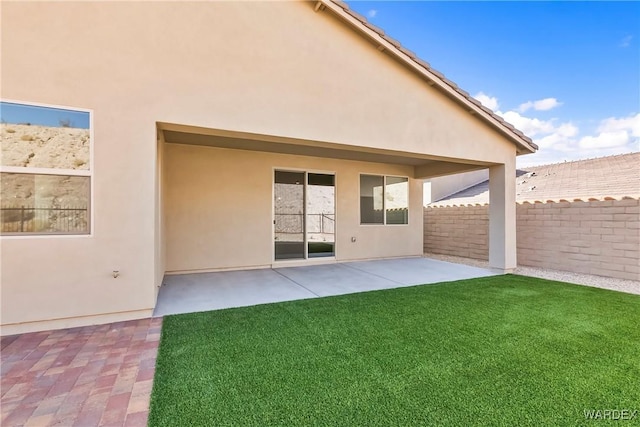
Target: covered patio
x,y
254,154
187,293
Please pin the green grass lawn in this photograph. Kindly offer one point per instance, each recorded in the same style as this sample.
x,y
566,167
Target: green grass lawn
x,y
505,350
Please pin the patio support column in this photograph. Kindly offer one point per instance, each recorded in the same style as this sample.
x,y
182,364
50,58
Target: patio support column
x,y
502,216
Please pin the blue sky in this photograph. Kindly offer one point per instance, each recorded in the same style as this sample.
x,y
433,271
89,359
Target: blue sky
x,y
44,116
566,73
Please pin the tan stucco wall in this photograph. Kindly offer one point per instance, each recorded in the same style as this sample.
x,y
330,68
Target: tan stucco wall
x,y
443,186
597,237
275,68
219,206
160,254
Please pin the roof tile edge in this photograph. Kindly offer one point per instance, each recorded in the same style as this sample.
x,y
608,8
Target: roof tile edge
x,y
546,165
411,56
437,205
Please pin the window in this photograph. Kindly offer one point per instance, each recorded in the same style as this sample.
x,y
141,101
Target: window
x,y
384,199
396,200
45,170
371,199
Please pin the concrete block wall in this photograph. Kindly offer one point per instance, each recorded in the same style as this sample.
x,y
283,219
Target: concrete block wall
x,y
457,230
593,237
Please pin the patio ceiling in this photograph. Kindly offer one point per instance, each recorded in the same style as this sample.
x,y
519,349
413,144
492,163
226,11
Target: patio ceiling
x,y
425,166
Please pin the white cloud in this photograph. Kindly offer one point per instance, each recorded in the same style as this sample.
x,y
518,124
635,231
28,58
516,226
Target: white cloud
x,y
372,13
540,105
614,132
563,140
530,126
612,136
605,140
626,41
526,106
630,124
491,102
559,137
546,104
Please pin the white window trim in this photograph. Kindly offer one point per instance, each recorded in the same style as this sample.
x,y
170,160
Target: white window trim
x,y
384,200
53,171
45,171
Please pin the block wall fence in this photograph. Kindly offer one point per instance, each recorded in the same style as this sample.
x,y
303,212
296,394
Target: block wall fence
x,y
600,237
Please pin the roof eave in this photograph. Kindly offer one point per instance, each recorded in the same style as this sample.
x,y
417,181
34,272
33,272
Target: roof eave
x,y
524,144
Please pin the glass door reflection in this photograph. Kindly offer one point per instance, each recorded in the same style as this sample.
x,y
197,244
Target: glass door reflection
x,y
320,215
289,215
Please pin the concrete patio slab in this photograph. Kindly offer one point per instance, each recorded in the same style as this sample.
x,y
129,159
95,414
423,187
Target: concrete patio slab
x,y
188,293
419,271
335,279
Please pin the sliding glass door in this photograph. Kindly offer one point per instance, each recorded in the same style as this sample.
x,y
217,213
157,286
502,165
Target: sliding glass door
x,y
304,215
320,214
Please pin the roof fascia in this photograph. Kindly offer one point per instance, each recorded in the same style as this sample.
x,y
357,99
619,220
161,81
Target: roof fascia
x,y
433,78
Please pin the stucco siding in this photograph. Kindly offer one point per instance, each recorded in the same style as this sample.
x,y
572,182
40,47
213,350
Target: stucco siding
x,y
268,68
219,208
275,68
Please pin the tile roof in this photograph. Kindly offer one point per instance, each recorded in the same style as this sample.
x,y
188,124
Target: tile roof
x,y
523,142
601,178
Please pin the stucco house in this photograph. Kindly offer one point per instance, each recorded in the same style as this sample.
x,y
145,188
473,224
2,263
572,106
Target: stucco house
x,y
192,136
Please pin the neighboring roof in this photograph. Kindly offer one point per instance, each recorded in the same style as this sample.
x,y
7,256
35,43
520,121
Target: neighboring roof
x,y
523,143
612,177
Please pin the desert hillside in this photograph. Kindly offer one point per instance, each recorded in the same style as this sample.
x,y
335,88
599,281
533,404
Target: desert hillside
x,y
44,203
44,147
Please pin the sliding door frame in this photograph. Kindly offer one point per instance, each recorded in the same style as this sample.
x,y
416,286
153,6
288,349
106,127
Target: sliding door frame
x,y
306,172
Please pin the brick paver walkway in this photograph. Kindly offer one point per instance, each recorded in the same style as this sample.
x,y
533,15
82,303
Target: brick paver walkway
x,y
89,376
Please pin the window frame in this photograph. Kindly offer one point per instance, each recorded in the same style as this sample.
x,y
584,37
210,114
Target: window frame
x,y
57,172
384,199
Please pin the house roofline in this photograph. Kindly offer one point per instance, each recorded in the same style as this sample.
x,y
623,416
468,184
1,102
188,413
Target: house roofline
x,y
524,144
